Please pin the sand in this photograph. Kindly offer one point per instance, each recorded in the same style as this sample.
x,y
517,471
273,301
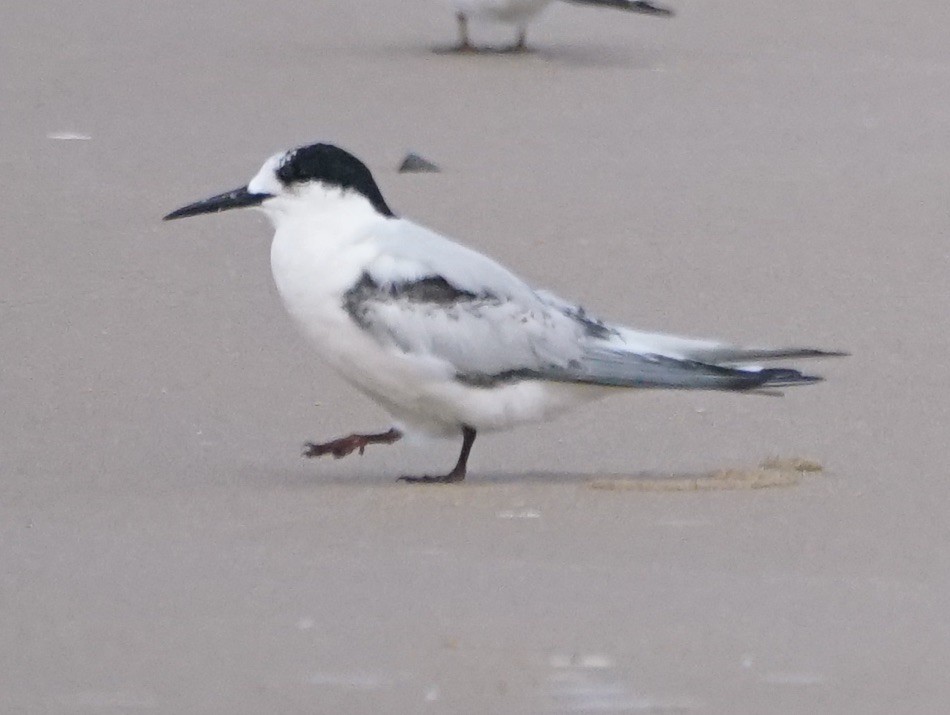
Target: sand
x,y
773,472
763,172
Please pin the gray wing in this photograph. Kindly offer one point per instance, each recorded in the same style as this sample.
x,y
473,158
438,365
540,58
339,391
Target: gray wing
x,y
443,303
463,313
485,339
482,337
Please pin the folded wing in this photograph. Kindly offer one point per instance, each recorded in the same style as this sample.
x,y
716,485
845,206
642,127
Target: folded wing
x,y
471,319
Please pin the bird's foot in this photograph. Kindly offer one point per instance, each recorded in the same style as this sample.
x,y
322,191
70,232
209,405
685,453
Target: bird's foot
x,y
347,445
458,471
452,477
521,44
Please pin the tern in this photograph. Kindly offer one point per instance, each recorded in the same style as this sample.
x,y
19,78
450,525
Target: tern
x,y
446,340
520,12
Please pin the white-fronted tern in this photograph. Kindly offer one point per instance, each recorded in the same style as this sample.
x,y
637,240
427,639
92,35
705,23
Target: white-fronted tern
x,y
443,338
519,13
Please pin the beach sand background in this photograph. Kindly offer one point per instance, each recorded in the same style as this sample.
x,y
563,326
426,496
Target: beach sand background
x,y
763,172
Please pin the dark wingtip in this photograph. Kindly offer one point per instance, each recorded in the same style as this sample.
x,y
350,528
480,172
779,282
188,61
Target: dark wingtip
x,y
816,353
651,9
784,377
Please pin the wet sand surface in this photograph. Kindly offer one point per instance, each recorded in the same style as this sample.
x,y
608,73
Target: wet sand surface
x,y
767,173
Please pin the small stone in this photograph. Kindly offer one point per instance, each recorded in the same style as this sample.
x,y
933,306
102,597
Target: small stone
x,y
413,163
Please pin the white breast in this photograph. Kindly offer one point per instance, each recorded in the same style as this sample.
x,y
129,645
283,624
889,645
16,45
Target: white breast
x,y
316,258
314,263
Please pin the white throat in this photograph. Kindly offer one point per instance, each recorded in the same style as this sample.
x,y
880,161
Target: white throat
x,y
315,225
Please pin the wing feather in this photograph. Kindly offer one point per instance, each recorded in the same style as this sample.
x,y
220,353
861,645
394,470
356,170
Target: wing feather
x,y
438,301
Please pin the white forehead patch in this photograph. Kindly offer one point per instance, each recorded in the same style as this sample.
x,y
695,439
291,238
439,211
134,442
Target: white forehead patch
x,y
266,181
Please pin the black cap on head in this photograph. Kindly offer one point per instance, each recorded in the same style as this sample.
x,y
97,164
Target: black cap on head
x,y
333,166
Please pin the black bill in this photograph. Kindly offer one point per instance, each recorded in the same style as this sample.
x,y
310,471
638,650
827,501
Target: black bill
x,y
236,199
